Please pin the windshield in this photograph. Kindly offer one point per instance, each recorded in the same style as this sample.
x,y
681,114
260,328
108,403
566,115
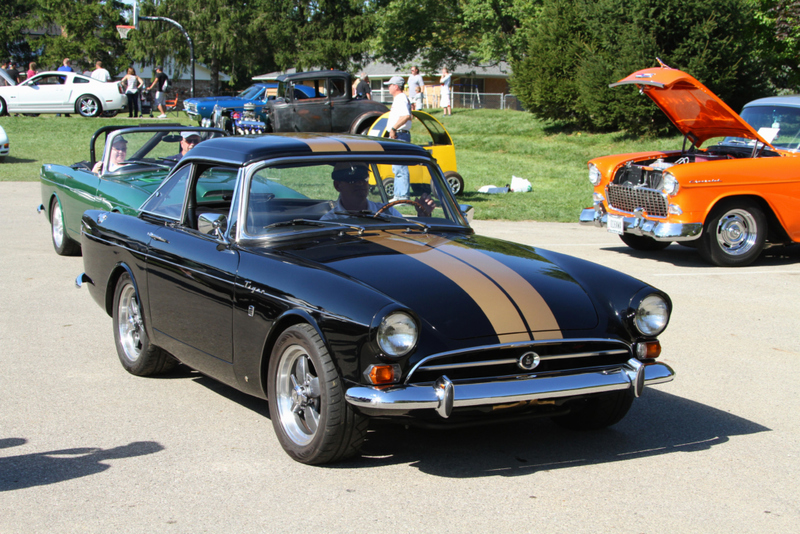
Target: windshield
x,y
352,193
782,122
251,93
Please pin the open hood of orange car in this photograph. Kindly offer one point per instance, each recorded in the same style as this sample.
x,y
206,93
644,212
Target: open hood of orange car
x,y
696,111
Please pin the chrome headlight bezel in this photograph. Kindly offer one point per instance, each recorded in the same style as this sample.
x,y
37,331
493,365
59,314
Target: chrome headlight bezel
x,y
595,176
650,314
397,334
669,184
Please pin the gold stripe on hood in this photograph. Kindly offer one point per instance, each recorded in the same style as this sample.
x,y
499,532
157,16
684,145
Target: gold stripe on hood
x,y
499,310
532,306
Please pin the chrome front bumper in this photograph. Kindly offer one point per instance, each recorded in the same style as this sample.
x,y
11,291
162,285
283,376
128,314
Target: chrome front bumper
x,y
638,225
444,395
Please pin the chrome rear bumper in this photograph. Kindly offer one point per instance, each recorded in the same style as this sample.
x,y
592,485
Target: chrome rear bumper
x,y
444,395
660,231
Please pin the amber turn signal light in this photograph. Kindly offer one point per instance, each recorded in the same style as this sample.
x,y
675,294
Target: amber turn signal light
x,y
648,350
383,374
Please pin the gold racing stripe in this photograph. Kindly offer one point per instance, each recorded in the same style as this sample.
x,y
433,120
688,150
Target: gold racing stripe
x,y
497,307
363,145
324,144
531,304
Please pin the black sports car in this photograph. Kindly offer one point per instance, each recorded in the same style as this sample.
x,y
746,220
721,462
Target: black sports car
x,y
275,265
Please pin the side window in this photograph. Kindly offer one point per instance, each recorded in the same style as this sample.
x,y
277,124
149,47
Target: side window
x,y
168,200
79,80
337,86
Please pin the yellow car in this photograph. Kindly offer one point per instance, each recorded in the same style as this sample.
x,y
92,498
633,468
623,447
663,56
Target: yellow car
x,y
430,135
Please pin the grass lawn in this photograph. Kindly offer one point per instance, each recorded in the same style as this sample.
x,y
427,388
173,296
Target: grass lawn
x,y
491,147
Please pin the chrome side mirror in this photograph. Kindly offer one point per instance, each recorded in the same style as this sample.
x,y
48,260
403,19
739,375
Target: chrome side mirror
x,y
212,224
467,211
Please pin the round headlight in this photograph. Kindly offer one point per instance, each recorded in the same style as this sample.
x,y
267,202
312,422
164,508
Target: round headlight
x,y
671,185
652,315
594,174
397,334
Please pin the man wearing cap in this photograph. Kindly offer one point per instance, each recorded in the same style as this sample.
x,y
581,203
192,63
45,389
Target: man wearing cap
x,y
400,124
188,141
119,153
158,83
351,180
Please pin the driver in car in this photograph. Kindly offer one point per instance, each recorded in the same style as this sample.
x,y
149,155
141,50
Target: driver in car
x,y
351,180
119,152
188,141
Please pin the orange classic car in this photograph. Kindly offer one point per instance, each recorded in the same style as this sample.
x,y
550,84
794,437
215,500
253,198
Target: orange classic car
x,y
731,199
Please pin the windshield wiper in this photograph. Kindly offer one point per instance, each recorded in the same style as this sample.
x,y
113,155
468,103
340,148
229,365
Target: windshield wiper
x,y
312,222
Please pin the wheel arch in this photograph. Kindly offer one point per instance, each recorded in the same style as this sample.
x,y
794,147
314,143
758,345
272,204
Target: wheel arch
x,y
284,321
775,230
362,123
111,285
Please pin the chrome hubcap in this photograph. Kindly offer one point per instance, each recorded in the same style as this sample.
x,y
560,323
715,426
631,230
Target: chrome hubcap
x,y
58,225
736,232
88,107
298,395
130,324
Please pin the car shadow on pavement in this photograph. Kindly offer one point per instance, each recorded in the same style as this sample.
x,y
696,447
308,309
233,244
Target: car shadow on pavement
x,y
684,256
658,424
51,467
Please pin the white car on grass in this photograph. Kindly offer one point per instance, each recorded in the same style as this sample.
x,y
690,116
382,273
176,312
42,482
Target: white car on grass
x,y
62,92
3,145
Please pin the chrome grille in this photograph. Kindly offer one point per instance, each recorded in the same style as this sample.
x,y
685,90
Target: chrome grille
x,y
628,199
500,361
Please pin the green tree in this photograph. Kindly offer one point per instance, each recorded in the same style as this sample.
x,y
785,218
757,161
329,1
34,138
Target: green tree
x,y
17,19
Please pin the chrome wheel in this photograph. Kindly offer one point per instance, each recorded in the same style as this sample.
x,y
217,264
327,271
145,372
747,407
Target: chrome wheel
x,y
737,232
88,106
57,225
130,323
299,397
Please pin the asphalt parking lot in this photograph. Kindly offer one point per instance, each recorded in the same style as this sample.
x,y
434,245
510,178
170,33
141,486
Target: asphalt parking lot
x,y
86,447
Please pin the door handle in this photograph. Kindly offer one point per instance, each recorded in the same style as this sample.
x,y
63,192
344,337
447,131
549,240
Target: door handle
x,y
155,237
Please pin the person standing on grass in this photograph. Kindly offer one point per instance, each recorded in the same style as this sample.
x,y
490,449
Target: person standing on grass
x,y
445,96
65,67
31,70
400,124
99,73
416,85
132,84
160,82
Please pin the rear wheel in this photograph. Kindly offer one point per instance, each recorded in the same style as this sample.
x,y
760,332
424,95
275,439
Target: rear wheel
x,y
388,186
598,411
734,234
137,355
312,420
62,242
455,182
641,242
88,106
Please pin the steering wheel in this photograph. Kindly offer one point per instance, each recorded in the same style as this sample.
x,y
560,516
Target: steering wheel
x,y
416,204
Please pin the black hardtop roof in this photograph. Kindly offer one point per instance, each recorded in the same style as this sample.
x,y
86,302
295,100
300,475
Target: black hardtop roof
x,y
314,74
242,150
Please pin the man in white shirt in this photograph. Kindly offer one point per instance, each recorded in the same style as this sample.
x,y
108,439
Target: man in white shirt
x,y
99,73
414,81
400,124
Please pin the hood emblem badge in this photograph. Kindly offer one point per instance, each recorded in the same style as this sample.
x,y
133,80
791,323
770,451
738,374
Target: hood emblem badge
x,y
529,361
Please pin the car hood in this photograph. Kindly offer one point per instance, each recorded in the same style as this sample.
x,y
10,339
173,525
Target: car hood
x,y
223,101
462,286
690,105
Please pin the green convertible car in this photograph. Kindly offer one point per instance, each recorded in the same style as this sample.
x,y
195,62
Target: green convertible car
x,y
133,163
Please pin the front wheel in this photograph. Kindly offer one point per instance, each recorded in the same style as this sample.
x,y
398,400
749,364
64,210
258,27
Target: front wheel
x,y
138,356
598,411
734,234
312,420
455,182
641,242
62,242
88,106
3,108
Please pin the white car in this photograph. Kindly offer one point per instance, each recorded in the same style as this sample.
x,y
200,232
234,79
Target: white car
x,y
3,145
62,92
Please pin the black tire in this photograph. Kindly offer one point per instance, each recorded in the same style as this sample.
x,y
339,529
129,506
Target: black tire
x,y
3,107
34,115
63,244
110,114
455,181
88,106
138,356
312,420
598,411
734,234
641,242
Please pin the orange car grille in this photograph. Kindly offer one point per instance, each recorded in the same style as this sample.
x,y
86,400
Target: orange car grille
x,y
628,199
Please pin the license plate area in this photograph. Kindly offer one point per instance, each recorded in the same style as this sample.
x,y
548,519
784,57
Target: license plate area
x,y
614,224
